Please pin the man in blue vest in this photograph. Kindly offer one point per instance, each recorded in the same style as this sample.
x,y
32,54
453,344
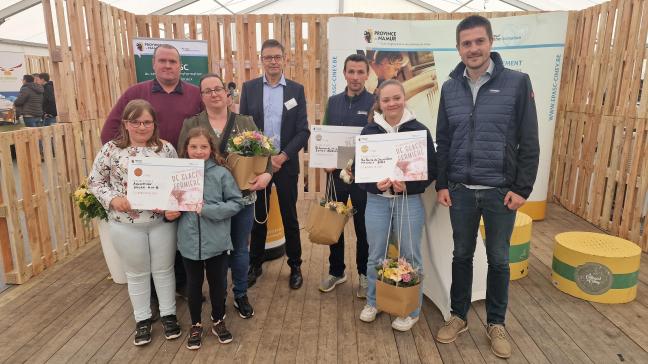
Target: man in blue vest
x,y
350,108
488,153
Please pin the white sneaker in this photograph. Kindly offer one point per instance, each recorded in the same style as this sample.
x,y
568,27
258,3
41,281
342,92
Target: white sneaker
x,y
368,313
404,323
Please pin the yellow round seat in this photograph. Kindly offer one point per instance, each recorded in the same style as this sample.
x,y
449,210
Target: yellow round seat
x,y
520,245
596,267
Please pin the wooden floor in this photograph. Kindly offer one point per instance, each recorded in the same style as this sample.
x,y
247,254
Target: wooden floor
x,y
74,313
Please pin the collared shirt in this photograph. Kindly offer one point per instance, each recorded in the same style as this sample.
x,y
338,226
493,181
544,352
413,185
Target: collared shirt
x,y
157,88
273,109
474,88
476,85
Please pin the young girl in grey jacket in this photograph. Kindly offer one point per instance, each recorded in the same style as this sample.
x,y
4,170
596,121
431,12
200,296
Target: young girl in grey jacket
x,y
204,237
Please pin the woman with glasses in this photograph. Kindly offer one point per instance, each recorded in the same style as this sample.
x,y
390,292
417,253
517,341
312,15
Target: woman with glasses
x,y
145,243
221,123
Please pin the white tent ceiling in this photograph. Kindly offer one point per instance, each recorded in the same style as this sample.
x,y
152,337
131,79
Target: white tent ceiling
x,y
28,25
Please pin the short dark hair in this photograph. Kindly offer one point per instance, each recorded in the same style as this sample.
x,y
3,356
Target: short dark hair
x,y
356,58
165,46
272,43
475,21
391,56
210,75
28,78
45,76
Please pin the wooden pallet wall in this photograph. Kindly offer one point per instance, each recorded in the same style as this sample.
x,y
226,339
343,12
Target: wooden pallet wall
x,y
599,169
39,170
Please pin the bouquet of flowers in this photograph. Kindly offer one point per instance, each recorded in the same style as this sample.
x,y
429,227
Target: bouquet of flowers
x,y
248,156
88,204
398,272
398,287
250,144
339,207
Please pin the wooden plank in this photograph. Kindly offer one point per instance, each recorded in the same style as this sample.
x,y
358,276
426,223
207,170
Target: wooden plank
x,y
252,56
12,247
228,73
69,109
306,315
240,51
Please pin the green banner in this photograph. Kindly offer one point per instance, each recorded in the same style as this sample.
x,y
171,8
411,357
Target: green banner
x,y
193,58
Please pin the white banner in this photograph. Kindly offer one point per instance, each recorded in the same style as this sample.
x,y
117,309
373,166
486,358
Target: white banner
x,y
421,54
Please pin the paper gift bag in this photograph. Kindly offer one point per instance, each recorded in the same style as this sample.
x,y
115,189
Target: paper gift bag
x,y
325,225
244,169
398,301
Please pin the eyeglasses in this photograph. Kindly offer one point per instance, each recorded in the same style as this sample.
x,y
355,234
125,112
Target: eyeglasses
x,y
211,91
136,123
269,59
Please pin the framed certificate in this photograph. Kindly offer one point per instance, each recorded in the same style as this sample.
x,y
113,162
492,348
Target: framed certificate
x,y
398,156
325,141
165,183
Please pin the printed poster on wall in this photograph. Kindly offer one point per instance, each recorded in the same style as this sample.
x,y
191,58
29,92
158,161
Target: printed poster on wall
x,y
12,70
422,53
193,58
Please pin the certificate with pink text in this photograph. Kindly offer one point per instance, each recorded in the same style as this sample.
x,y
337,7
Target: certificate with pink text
x,y
397,156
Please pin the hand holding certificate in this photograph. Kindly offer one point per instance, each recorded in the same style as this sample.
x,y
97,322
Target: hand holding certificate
x,y
328,141
397,156
165,184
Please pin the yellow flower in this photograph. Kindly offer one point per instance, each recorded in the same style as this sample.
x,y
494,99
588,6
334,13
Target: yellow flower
x,y
340,209
80,193
238,140
266,145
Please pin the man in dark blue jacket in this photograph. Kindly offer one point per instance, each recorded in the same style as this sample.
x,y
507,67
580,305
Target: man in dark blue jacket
x,y
488,152
350,108
278,107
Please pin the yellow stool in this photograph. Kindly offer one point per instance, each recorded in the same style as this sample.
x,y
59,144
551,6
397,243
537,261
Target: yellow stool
x,y
520,245
596,267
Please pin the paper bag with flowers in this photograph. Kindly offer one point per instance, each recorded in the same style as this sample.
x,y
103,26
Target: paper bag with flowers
x,y
327,218
398,283
248,153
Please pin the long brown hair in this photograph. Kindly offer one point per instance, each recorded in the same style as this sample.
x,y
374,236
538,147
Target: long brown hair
x,y
376,105
201,131
133,110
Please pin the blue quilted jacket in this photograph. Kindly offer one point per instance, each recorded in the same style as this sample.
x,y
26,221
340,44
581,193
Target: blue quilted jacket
x,y
493,142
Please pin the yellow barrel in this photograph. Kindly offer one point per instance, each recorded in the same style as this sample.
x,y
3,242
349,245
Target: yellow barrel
x,y
596,267
535,209
275,239
520,245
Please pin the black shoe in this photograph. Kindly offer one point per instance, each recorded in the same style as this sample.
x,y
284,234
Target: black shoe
x,y
220,330
253,274
142,332
195,337
296,279
243,307
171,327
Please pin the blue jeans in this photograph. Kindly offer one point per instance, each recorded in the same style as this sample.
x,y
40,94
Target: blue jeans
x,y
377,216
32,122
468,206
49,121
239,260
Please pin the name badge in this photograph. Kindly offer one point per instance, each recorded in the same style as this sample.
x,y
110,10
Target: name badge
x,y
290,103
362,112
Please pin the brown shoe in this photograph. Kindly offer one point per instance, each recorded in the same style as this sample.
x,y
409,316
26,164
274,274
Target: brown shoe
x,y
499,340
451,329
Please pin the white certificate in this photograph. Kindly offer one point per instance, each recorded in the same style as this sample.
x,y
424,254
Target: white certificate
x,y
324,143
398,156
165,183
